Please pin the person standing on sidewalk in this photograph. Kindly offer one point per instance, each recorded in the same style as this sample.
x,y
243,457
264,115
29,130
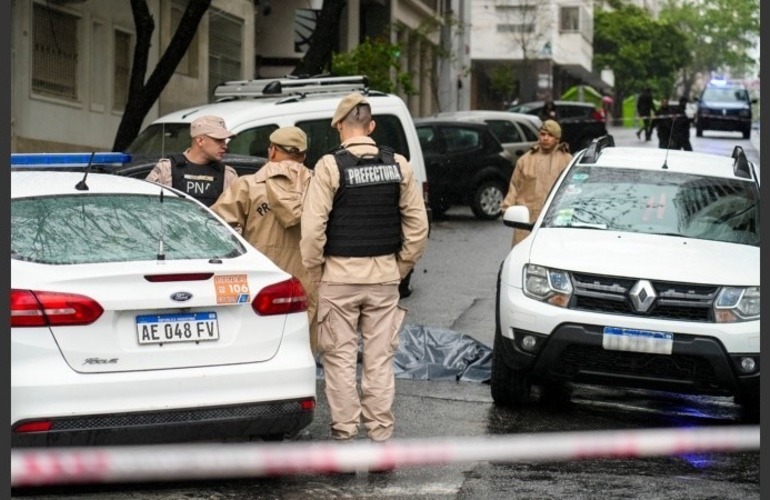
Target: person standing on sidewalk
x,y
364,226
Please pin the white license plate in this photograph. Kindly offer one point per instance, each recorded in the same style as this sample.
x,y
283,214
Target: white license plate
x,y
628,339
184,327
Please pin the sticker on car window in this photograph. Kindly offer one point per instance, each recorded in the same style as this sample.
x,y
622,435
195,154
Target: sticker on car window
x,y
563,217
232,289
579,177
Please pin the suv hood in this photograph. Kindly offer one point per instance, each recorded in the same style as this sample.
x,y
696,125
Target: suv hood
x,y
656,257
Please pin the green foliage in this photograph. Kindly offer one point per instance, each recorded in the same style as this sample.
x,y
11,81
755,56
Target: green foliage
x,y
641,51
503,81
719,33
375,59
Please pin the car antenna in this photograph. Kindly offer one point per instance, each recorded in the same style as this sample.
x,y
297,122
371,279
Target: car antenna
x,y
82,186
668,146
161,255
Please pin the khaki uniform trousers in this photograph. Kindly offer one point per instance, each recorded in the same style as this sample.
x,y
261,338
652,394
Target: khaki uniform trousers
x,y
343,311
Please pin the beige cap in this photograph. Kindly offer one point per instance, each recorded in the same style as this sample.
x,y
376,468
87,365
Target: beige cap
x,y
552,128
292,139
212,126
346,105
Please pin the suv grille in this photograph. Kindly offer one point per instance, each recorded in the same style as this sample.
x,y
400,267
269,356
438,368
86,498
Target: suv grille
x,y
674,301
575,359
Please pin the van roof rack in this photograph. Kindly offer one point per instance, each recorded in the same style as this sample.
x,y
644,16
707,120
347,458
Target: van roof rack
x,y
741,164
596,147
291,86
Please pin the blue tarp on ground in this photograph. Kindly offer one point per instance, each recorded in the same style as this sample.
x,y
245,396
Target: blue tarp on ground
x,y
428,353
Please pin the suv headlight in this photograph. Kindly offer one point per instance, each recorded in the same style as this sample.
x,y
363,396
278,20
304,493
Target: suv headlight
x,y
548,285
737,304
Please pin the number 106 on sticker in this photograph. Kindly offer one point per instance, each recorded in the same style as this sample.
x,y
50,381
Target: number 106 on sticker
x,y
232,289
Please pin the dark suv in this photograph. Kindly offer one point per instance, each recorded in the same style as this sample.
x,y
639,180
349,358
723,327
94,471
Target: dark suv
x,y
580,122
465,165
724,106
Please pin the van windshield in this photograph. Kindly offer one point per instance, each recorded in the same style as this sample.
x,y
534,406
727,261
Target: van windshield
x,y
725,94
160,138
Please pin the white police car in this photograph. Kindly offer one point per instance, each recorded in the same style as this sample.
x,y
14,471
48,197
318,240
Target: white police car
x,y
641,271
139,316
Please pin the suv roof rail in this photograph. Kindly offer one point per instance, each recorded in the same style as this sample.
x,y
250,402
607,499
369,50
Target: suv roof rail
x,y
291,86
741,164
596,147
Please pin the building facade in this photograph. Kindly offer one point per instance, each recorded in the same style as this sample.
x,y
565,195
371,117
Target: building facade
x,y
529,50
72,59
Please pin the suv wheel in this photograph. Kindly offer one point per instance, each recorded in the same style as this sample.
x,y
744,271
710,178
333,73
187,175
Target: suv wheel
x,y
510,388
487,199
747,132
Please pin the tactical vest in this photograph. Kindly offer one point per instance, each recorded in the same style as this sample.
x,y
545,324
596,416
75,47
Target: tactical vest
x,y
203,182
365,220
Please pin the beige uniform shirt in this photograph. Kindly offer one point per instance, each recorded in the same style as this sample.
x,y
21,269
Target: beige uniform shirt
x,y
267,206
532,179
161,173
360,270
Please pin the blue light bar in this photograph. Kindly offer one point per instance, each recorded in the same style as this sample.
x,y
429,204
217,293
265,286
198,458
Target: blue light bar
x,y
53,160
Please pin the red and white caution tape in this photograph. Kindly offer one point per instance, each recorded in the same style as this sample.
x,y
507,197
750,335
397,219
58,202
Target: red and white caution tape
x,y
38,467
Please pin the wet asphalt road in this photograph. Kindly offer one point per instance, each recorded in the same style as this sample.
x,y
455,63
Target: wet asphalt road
x,y
454,289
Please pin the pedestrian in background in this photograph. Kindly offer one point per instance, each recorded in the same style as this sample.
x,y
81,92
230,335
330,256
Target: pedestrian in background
x,y
549,111
681,126
199,171
535,173
664,123
645,108
267,206
607,102
364,226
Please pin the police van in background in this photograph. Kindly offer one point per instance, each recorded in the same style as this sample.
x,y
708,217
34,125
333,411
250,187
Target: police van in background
x,y
253,109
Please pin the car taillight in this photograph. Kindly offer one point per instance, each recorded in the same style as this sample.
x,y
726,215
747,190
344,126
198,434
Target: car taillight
x,y
166,278
281,298
34,426
596,115
37,308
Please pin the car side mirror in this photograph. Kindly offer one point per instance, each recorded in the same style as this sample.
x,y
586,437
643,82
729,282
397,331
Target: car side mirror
x,y
517,217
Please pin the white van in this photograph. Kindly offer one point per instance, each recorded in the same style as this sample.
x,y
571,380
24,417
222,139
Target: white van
x,y
253,109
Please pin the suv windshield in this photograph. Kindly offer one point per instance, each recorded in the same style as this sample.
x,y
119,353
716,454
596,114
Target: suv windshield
x,y
641,201
115,228
725,94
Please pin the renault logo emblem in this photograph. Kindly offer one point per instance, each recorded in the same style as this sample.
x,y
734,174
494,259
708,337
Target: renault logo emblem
x,y
642,296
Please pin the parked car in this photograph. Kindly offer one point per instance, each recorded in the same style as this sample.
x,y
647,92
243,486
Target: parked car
x,y
641,271
517,132
466,165
139,316
724,105
580,122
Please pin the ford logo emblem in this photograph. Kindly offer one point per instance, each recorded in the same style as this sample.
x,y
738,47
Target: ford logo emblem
x,y
181,296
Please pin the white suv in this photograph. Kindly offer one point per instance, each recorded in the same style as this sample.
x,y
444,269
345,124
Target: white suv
x,y
641,271
253,109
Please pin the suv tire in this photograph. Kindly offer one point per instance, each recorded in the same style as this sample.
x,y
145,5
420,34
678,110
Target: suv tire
x,y
510,388
487,199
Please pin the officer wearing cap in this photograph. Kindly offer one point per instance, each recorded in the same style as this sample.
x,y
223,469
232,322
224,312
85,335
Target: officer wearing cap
x,y
267,206
535,173
364,226
199,171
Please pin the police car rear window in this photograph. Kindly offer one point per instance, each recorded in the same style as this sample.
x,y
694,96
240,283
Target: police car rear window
x,y
82,229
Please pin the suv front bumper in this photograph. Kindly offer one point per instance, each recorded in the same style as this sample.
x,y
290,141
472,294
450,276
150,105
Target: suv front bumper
x,y
573,352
